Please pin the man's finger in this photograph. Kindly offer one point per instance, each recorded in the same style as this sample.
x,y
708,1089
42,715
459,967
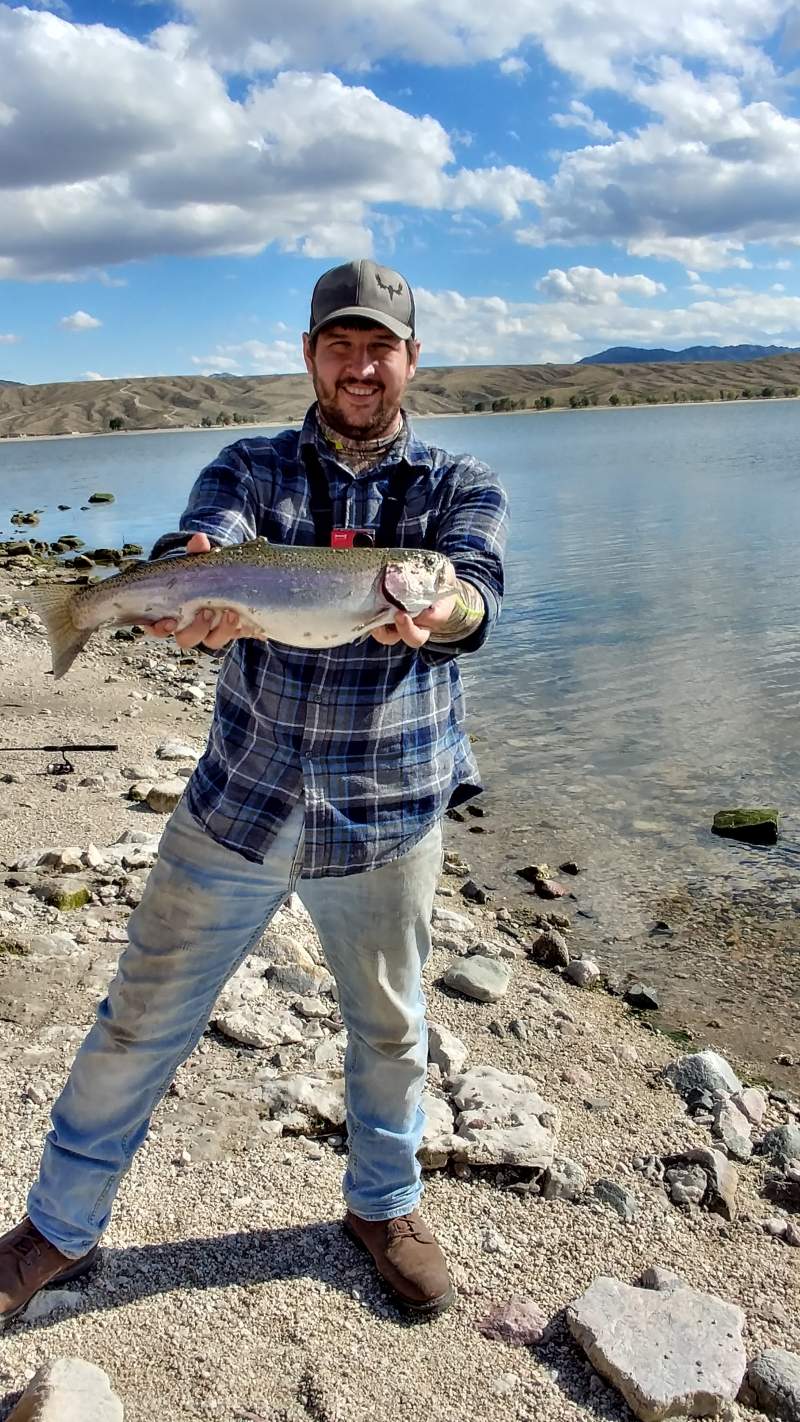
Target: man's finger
x,y
164,628
412,635
388,636
198,543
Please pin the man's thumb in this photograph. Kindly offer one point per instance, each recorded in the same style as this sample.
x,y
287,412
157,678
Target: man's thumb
x,y
198,543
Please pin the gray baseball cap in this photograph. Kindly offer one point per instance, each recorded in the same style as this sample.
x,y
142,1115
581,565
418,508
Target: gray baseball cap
x,y
366,290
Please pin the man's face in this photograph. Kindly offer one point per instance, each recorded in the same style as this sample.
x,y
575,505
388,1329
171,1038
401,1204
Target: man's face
x,y
359,377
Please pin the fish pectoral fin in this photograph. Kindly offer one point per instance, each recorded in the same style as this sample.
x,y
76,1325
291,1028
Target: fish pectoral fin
x,y
361,633
54,607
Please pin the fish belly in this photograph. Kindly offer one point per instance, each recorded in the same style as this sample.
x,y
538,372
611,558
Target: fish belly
x,y
312,613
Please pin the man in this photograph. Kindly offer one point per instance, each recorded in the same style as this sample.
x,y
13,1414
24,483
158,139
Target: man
x,y
331,768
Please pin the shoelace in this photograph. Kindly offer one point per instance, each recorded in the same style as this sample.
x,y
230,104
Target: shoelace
x,y
404,1227
26,1249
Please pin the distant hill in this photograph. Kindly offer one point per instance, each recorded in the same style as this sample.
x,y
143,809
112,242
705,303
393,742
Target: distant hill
x,y
10,382
208,402
634,355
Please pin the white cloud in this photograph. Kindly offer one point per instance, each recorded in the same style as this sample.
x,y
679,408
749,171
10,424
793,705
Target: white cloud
x,y
93,375
252,358
709,175
514,67
80,321
165,161
473,330
8,339
595,43
707,253
588,286
581,116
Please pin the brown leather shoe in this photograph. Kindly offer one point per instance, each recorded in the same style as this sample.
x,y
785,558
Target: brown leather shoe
x,y
408,1258
28,1263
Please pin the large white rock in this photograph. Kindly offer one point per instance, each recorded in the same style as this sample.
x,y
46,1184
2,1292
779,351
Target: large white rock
x,y
300,1100
437,1138
253,1024
455,922
502,1120
673,1354
177,750
248,984
68,1390
484,979
446,1049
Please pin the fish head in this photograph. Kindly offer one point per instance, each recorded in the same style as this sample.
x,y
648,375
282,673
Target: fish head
x,y
419,581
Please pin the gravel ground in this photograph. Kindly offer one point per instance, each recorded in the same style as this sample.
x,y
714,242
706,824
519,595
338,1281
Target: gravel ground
x,y
227,1289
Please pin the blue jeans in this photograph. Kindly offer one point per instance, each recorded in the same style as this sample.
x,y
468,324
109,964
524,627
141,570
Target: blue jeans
x,y
203,910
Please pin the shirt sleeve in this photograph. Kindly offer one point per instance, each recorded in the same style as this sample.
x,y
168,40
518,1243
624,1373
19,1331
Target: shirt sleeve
x,y
222,505
472,532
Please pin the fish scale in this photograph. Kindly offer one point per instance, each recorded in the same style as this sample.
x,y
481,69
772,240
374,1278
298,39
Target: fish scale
x,y
305,597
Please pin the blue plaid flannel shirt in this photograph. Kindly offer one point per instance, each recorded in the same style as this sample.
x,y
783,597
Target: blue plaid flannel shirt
x,y
371,737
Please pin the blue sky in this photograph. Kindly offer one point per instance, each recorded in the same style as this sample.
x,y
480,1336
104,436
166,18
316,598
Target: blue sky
x,y
551,179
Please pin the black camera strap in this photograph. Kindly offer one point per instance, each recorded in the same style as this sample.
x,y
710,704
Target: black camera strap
x,y
401,477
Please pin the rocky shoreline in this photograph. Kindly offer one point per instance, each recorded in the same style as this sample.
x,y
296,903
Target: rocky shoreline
x,y
570,1149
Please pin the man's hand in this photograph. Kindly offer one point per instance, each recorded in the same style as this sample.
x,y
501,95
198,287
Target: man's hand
x,y
415,631
202,629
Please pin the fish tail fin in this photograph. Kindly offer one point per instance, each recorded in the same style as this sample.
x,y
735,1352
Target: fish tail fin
x,y
54,607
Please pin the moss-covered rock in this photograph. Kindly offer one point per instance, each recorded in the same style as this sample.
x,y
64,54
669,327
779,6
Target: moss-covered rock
x,y
101,498
65,897
756,826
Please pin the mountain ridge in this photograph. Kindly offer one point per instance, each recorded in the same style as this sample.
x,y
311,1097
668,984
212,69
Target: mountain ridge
x,y
640,355
197,401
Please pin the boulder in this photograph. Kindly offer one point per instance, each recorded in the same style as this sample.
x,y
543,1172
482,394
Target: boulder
x,y
101,498
446,1049
254,1025
550,949
583,972
782,1145
68,1390
64,861
752,1103
455,922
177,750
615,1197
773,1379
757,826
702,1071
60,896
519,1322
484,979
502,1120
564,1180
165,796
671,1354
436,1146
732,1127
722,1180
301,1100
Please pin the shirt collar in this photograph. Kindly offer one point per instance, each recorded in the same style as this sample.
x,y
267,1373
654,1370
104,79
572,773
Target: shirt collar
x,y
407,448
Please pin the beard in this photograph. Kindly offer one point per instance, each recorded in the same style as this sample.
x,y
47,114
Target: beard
x,y
377,418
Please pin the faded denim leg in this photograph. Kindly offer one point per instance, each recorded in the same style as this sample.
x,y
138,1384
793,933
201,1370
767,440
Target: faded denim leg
x,y
203,909
375,931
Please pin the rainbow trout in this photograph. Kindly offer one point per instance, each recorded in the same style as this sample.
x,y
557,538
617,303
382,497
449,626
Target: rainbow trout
x,y
303,597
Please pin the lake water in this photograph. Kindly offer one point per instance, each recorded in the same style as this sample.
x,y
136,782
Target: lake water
x,y
645,673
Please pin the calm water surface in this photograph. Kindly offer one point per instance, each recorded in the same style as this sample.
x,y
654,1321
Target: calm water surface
x,y
646,670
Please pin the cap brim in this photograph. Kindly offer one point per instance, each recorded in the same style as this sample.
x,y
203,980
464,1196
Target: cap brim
x,y
366,313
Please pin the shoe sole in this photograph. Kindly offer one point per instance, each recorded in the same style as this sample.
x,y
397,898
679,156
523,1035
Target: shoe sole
x,y
429,1309
78,1271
